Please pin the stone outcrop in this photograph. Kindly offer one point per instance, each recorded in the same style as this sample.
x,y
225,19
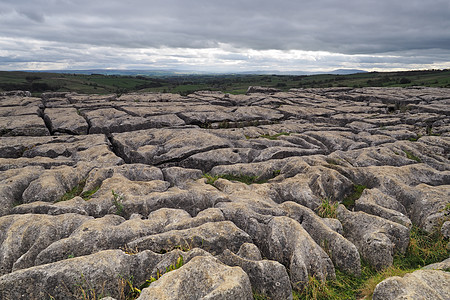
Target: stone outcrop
x,y
98,189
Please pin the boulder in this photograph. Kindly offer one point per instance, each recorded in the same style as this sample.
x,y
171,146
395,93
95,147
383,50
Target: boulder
x,y
201,278
377,239
421,284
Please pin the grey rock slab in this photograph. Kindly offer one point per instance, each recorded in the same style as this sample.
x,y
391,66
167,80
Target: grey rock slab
x,y
100,273
201,278
133,172
28,125
180,177
23,237
196,198
342,252
45,162
249,251
205,216
373,202
53,184
12,185
205,161
7,111
75,205
267,277
445,229
337,140
107,120
157,146
421,284
443,265
288,243
377,239
284,152
214,237
65,120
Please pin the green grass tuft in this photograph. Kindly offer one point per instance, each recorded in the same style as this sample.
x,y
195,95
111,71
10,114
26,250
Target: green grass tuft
x,y
411,156
247,179
349,201
424,249
275,136
327,209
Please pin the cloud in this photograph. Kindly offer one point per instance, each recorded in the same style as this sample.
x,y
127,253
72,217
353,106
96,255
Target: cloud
x,y
237,33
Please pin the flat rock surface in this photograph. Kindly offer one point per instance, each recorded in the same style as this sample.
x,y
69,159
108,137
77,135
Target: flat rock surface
x,y
88,181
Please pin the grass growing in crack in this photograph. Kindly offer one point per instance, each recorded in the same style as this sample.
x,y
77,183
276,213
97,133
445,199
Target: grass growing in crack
x,y
424,248
75,191
247,179
258,296
127,289
78,191
118,202
349,201
327,209
275,136
411,156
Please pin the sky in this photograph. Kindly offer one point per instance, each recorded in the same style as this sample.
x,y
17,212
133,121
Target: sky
x,y
225,35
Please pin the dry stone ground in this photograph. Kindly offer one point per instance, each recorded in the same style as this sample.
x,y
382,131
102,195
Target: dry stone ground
x,y
134,167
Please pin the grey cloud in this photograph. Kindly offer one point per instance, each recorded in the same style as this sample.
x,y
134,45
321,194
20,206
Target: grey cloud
x,y
414,32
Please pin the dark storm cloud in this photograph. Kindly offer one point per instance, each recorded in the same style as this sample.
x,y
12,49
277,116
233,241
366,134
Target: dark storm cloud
x,y
346,27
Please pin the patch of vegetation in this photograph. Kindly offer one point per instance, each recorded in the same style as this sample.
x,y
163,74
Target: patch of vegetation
x,y
247,179
275,173
349,201
327,209
258,296
185,84
78,191
128,291
75,191
414,139
118,202
424,249
411,156
273,137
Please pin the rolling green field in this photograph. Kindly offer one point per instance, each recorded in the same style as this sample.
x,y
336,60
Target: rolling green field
x,y
38,82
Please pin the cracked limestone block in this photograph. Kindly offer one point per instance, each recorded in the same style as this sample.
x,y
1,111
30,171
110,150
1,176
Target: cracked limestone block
x,y
23,237
157,146
101,273
65,120
12,185
421,284
107,120
213,237
29,125
53,184
377,239
201,278
267,277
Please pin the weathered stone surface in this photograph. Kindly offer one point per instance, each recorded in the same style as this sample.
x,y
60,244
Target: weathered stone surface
x,y
421,284
23,237
65,120
214,237
31,125
201,278
288,243
342,252
12,185
100,272
267,277
377,239
141,178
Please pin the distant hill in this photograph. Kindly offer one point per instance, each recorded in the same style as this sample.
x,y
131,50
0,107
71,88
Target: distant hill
x,y
176,72
174,81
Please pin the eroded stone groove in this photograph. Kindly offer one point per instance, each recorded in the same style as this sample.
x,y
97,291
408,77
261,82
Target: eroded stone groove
x,y
124,175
